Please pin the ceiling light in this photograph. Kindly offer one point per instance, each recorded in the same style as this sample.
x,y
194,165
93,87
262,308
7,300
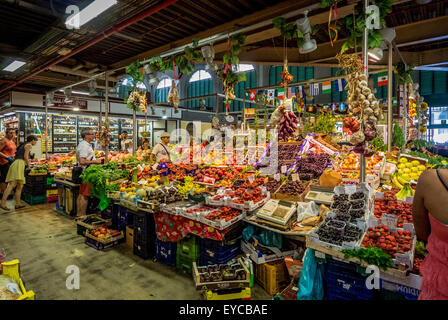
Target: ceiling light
x,y
303,25
388,36
14,66
50,99
68,95
88,13
75,109
376,53
164,117
92,87
81,92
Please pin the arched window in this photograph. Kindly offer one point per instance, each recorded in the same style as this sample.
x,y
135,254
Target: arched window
x,y
200,84
251,82
125,87
200,75
162,90
243,68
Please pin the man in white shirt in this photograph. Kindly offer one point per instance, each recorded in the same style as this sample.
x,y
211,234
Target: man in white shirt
x,y
85,156
126,144
162,150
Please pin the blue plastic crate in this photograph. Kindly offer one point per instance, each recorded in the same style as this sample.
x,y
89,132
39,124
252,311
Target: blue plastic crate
x,y
166,252
212,252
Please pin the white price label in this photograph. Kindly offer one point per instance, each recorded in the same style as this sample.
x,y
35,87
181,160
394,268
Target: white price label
x,y
295,177
389,220
277,177
143,182
283,169
350,189
251,178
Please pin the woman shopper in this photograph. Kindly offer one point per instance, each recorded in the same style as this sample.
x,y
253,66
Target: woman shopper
x,y
430,215
7,151
16,173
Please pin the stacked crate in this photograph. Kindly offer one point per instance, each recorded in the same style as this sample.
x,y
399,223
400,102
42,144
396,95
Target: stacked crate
x,y
187,252
35,188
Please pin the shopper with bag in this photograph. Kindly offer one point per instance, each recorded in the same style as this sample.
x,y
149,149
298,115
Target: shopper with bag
x,y
7,152
16,173
85,156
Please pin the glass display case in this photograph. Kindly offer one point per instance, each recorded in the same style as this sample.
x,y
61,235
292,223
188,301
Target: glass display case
x,y
87,122
64,133
126,125
35,125
144,131
114,133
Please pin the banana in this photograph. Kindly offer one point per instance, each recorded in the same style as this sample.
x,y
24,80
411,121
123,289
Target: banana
x,y
396,183
402,180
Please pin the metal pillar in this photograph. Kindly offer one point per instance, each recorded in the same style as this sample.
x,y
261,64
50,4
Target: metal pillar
x,y
106,114
134,132
389,99
46,130
405,115
365,48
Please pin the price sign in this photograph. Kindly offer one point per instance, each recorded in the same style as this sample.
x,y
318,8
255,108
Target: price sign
x,y
142,182
389,220
277,177
283,169
295,177
251,178
350,189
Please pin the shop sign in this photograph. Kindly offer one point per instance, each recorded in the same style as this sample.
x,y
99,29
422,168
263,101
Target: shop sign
x,y
59,102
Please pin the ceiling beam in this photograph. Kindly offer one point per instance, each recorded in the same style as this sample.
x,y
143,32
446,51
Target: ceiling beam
x,y
416,31
253,18
65,70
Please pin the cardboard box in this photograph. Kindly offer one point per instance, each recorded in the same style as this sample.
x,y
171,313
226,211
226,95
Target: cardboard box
x,y
130,237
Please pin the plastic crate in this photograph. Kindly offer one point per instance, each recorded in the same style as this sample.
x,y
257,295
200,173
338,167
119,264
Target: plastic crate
x,y
398,291
272,276
166,252
345,283
34,190
232,294
184,264
52,192
32,200
188,248
50,180
36,179
212,252
52,199
12,270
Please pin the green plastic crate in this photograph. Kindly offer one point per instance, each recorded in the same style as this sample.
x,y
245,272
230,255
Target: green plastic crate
x,y
32,200
50,180
185,264
188,248
390,295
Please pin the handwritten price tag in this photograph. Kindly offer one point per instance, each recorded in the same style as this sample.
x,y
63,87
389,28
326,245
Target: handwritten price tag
x,y
277,177
251,178
295,177
283,169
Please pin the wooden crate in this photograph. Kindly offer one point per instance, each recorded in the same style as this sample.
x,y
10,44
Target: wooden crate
x,y
221,284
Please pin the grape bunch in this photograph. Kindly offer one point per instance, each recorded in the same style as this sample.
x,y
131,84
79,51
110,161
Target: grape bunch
x,y
293,188
287,153
312,166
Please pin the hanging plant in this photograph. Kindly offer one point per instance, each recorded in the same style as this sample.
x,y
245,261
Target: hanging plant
x,y
403,72
354,25
226,73
137,101
289,31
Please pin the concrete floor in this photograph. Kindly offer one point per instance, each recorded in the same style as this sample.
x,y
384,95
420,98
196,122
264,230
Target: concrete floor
x,y
45,242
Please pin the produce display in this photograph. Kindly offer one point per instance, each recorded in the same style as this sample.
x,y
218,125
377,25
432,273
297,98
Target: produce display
x,y
228,272
390,242
312,166
336,232
349,208
293,188
104,233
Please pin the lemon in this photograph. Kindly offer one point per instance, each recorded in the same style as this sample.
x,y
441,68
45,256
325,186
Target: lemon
x,y
406,170
414,176
409,165
403,160
414,169
401,166
415,163
421,168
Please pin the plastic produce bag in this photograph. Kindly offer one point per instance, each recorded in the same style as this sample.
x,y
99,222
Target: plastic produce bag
x,y
311,283
265,237
306,210
9,289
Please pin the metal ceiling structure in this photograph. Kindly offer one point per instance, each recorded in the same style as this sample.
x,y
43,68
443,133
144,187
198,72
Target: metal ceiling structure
x,y
34,31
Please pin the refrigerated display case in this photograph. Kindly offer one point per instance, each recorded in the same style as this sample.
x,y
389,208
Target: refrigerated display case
x,y
64,133
126,125
144,126
87,122
114,133
35,125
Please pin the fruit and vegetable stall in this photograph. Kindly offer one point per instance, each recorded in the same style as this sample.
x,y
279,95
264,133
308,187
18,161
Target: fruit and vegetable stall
x,y
230,226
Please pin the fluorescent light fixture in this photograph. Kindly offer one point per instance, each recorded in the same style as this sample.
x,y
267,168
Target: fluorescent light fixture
x,y
9,114
376,53
164,117
88,13
13,66
80,92
75,109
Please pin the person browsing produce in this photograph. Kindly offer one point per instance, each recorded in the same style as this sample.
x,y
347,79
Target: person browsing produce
x,y
162,150
97,144
85,156
430,218
126,144
7,151
16,173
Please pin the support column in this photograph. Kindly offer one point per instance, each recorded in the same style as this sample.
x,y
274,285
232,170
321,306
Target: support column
x,y
389,99
106,114
365,48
